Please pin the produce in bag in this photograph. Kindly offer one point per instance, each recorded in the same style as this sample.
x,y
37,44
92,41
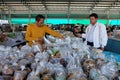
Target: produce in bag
x,y
16,67
99,62
40,69
33,66
7,70
47,41
20,75
36,47
33,76
51,38
27,49
54,52
42,57
109,69
95,74
23,62
6,78
60,73
47,77
30,58
97,53
76,74
117,75
50,68
88,65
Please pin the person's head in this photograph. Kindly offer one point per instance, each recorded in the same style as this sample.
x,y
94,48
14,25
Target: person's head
x,y
39,20
93,18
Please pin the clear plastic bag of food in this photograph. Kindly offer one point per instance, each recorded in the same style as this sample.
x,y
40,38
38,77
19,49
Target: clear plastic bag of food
x,y
7,70
27,49
36,47
71,63
109,69
95,74
20,75
97,53
50,68
41,66
33,76
68,39
23,62
101,77
47,41
76,74
42,56
60,73
47,77
99,62
88,65
6,78
51,38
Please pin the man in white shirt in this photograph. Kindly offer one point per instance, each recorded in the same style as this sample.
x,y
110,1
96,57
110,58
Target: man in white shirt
x,y
95,34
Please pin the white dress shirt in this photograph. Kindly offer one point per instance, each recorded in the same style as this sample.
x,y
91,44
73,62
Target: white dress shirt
x,y
90,35
99,35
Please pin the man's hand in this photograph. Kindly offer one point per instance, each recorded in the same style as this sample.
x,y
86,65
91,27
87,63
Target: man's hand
x,y
63,38
41,40
79,35
102,48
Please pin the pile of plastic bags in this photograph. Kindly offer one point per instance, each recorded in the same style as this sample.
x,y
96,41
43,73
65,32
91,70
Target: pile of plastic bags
x,y
71,59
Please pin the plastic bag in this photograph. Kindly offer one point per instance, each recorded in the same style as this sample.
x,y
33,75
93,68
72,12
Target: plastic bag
x,y
96,53
96,75
88,65
68,39
36,47
76,74
51,38
50,68
33,76
20,75
41,57
23,62
60,73
99,62
47,41
109,69
40,69
6,78
7,70
47,77
26,49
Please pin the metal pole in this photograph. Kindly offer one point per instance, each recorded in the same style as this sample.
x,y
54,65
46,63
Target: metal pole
x,y
108,15
9,16
0,13
29,16
68,19
46,16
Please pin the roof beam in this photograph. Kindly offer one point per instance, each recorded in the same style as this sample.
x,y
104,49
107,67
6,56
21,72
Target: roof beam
x,y
69,6
94,5
44,4
7,6
26,4
115,3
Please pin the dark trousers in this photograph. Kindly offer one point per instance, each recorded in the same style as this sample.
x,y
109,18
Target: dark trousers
x,y
91,44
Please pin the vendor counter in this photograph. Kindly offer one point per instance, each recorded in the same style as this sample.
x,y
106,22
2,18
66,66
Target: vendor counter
x,y
113,45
